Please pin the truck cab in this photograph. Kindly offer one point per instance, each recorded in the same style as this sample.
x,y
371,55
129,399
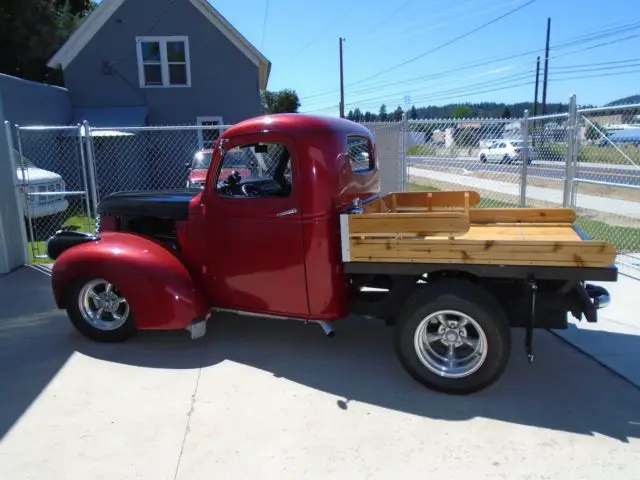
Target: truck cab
x,y
290,223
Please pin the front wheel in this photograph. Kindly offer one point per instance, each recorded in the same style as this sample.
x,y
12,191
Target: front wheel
x,y
453,337
99,311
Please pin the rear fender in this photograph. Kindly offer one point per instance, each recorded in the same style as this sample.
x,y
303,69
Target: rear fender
x,y
159,288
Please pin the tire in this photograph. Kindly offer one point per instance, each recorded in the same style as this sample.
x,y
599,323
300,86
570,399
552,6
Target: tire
x,y
108,328
506,159
484,316
483,158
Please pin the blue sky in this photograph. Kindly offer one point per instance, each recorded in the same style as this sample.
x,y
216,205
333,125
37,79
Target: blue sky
x,y
301,40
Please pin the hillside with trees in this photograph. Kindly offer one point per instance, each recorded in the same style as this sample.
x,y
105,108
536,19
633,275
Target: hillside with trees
x,y
455,110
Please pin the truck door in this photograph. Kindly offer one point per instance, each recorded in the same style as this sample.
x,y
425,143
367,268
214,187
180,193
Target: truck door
x,y
254,227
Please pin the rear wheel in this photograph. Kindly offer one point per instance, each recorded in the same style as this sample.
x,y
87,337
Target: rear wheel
x,y
98,310
453,337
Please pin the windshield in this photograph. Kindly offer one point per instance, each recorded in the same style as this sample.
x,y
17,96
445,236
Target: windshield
x,y
201,160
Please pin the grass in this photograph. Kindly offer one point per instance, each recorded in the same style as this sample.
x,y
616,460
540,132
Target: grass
x,y
556,151
625,239
38,247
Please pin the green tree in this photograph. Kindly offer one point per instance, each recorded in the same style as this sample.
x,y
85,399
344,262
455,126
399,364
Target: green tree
x,y
397,114
462,111
592,132
357,115
350,115
368,117
283,101
383,113
506,113
32,30
413,113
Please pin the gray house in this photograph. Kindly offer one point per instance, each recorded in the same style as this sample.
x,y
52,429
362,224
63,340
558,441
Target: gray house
x,y
157,62
180,60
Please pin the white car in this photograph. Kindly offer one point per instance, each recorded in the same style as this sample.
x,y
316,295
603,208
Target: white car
x,y
506,151
33,180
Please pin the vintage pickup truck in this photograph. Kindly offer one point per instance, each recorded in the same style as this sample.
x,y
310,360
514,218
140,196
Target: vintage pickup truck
x,y
309,237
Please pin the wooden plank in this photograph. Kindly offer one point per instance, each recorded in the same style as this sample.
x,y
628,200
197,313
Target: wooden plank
x,y
578,253
526,215
406,201
408,224
553,232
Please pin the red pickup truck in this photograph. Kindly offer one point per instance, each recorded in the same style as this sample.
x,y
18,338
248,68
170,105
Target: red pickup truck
x,y
307,236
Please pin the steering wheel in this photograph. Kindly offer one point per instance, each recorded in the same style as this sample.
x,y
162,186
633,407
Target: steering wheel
x,y
249,190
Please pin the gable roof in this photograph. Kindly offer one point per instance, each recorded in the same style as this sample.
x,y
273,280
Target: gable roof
x,y
106,8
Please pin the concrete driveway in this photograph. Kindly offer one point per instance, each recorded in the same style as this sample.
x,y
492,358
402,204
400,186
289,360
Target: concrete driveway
x,y
260,398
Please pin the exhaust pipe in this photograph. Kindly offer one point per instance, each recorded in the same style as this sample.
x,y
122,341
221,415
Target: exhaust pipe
x,y
327,328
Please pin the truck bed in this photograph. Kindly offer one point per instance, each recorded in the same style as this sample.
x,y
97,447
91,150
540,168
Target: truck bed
x,y
445,227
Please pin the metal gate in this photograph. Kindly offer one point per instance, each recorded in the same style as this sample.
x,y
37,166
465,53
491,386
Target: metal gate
x,y
53,182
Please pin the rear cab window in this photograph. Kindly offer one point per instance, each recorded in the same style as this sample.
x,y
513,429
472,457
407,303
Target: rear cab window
x,y
360,153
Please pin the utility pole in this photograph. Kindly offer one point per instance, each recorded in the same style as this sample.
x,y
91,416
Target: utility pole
x,y
546,68
341,80
535,95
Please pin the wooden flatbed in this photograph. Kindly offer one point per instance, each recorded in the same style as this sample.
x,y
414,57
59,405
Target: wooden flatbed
x,y
445,227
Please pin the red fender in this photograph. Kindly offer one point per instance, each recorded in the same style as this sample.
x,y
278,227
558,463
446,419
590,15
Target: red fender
x,y
159,288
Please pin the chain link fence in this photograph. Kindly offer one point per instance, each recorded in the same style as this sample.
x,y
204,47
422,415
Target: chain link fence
x,y
587,159
53,183
151,158
481,154
606,178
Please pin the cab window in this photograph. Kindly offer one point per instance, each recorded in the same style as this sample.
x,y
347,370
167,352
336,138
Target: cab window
x,y
360,154
255,170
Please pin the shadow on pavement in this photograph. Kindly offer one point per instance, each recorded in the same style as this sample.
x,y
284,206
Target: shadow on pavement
x,y
563,390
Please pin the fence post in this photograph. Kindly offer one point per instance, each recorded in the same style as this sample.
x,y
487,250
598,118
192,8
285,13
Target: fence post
x,y
525,159
18,196
85,179
404,131
25,180
571,144
91,167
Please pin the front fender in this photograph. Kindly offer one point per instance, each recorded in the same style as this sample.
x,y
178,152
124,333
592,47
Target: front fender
x,y
159,288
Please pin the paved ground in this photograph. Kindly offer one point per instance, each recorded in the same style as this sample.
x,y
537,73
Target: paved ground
x,y
261,398
589,202
622,174
615,339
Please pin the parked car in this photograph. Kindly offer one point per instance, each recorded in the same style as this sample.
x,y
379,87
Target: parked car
x,y
39,189
317,243
506,151
199,166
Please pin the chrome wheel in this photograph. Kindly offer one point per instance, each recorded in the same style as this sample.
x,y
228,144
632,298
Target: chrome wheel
x,y
450,344
102,306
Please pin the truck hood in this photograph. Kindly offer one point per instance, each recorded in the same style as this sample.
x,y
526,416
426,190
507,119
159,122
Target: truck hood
x,y
172,204
36,175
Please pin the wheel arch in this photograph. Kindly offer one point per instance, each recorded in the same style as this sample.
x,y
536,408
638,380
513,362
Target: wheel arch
x,y
159,288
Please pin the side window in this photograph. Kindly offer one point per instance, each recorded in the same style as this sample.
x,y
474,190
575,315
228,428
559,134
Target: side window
x,y
502,145
360,154
256,170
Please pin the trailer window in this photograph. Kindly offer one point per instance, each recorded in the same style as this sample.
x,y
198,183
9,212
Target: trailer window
x,y
360,154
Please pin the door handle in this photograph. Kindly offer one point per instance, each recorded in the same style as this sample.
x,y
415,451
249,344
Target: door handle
x,y
288,212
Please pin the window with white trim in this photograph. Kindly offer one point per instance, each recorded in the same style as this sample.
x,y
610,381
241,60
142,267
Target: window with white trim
x,y
163,61
207,136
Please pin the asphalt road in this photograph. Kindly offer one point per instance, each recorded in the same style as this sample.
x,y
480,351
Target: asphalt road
x,y
612,174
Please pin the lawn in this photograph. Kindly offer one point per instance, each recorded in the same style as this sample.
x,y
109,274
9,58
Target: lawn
x,y
37,248
625,239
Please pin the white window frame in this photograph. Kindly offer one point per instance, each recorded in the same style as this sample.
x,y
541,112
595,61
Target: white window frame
x,y
164,64
200,120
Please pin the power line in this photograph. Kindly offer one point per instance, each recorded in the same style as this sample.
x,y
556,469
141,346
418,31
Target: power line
x,y
615,29
446,44
393,14
443,74
264,24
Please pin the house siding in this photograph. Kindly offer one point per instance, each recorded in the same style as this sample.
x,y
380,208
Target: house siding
x,y
224,82
32,103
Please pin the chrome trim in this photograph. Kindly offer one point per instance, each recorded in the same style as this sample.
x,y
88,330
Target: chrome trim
x,y
291,211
